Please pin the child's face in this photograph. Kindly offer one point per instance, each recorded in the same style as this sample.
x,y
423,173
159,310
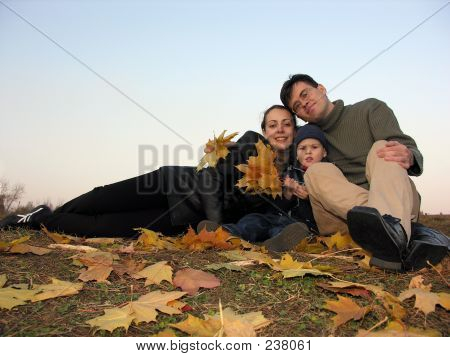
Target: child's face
x,y
310,151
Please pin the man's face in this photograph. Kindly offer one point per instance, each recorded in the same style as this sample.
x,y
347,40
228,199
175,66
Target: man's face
x,y
309,103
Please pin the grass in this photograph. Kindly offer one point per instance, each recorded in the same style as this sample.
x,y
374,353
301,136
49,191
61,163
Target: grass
x,y
295,306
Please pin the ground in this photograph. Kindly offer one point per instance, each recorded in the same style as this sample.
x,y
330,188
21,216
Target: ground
x,y
295,306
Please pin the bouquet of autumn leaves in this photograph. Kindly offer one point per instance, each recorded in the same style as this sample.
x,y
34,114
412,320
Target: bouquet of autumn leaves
x,y
260,174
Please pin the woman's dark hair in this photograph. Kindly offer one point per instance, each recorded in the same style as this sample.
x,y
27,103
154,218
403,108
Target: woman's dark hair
x,y
286,89
277,106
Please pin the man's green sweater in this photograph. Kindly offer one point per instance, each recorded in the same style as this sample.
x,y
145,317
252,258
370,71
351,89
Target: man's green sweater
x,y
351,131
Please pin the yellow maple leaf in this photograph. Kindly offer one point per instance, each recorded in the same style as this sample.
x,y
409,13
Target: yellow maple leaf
x,y
260,173
195,326
287,262
155,273
56,237
141,310
11,297
234,325
57,288
218,150
346,309
417,282
112,319
5,246
3,280
149,240
339,241
167,332
145,307
398,329
426,301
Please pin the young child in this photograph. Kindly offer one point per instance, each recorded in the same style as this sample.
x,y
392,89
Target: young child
x,y
311,147
283,228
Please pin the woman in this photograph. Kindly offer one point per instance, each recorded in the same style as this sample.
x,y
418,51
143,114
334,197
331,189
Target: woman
x,y
166,200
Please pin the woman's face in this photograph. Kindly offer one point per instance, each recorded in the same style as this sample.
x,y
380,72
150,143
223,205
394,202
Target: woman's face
x,y
279,129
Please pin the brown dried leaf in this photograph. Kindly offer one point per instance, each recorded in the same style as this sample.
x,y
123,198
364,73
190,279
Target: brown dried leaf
x,y
128,266
99,266
191,280
25,248
351,291
390,302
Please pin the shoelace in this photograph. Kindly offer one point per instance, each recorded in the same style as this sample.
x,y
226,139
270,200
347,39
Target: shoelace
x,y
26,217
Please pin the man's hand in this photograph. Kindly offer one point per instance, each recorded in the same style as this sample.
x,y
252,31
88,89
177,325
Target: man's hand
x,y
399,153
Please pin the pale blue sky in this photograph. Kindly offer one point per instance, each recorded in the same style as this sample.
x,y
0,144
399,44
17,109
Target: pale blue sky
x,y
202,67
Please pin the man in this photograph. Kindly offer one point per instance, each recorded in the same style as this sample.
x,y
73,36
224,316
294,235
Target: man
x,y
364,188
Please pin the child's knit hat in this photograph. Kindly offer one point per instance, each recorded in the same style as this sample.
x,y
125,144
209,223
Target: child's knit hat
x,y
310,131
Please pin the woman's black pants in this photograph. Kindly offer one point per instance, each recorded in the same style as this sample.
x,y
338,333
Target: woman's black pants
x,y
114,210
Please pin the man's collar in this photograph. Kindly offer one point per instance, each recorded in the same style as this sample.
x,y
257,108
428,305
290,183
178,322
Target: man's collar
x,y
331,119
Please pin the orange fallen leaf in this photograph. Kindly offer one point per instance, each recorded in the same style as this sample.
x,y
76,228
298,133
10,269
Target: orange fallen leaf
x,y
346,309
191,280
205,240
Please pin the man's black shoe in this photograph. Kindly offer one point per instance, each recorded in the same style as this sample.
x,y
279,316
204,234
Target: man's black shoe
x,y
288,238
382,236
28,220
425,245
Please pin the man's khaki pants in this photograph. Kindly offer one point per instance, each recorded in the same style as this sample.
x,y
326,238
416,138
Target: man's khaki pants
x,y
332,195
